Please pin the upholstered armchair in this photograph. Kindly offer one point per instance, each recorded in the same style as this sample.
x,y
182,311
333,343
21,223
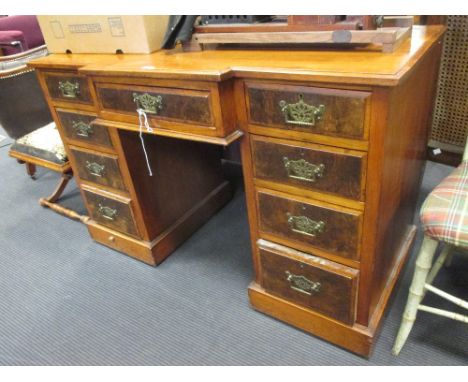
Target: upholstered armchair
x,y
19,34
24,114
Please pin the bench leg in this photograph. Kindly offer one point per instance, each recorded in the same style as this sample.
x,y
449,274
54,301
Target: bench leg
x,y
60,188
31,169
51,201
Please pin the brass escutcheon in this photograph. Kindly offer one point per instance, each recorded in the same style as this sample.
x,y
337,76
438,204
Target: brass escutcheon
x,y
82,129
302,284
69,89
107,212
300,113
95,169
148,103
303,170
305,225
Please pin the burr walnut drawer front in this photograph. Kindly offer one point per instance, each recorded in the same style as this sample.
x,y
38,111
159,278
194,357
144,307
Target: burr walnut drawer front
x,y
321,285
163,104
311,167
80,127
111,211
331,112
308,224
98,168
68,87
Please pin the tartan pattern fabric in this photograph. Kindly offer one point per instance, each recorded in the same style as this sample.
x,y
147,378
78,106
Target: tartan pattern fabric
x,y
444,213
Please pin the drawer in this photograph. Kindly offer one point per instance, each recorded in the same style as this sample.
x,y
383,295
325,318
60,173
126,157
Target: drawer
x,y
309,225
68,87
98,168
321,285
80,127
331,112
113,212
179,105
311,167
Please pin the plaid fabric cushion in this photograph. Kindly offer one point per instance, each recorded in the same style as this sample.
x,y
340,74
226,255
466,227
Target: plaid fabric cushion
x,y
444,213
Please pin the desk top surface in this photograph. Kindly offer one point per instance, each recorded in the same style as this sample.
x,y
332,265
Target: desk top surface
x,y
353,66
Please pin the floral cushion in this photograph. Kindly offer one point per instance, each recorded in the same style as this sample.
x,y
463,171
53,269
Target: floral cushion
x,y
444,213
44,143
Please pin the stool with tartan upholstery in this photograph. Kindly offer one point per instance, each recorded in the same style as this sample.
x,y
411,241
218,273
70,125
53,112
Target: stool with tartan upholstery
x,y
444,216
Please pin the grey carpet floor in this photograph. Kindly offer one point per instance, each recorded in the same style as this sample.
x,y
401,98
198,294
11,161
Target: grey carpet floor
x,y
65,300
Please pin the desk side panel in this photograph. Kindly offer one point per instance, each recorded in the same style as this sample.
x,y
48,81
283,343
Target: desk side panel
x,y
403,154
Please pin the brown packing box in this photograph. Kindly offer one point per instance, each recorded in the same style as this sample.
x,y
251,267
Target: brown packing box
x,y
103,34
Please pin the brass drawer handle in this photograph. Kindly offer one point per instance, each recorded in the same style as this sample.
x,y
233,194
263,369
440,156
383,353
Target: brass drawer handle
x,y
305,225
301,113
82,129
148,103
107,212
302,284
69,89
95,169
303,170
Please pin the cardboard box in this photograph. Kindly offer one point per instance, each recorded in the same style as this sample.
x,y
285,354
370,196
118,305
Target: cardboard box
x,y
103,34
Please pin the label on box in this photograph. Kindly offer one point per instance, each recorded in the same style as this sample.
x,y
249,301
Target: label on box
x,y
57,29
85,28
116,26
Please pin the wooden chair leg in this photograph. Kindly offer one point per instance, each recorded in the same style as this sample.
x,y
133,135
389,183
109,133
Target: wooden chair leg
x,y
416,291
30,169
51,201
60,188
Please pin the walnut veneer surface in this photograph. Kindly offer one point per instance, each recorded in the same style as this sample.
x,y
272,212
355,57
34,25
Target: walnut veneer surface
x,y
333,146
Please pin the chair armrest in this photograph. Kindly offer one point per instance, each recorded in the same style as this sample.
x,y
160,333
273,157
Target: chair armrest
x,y
12,39
12,44
14,61
27,24
16,71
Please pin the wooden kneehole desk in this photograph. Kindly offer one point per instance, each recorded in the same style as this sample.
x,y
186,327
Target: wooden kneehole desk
x,y
333,147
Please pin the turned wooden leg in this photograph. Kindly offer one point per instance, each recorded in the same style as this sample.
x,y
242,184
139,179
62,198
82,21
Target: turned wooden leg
x,y
30,169
63,210
416,291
